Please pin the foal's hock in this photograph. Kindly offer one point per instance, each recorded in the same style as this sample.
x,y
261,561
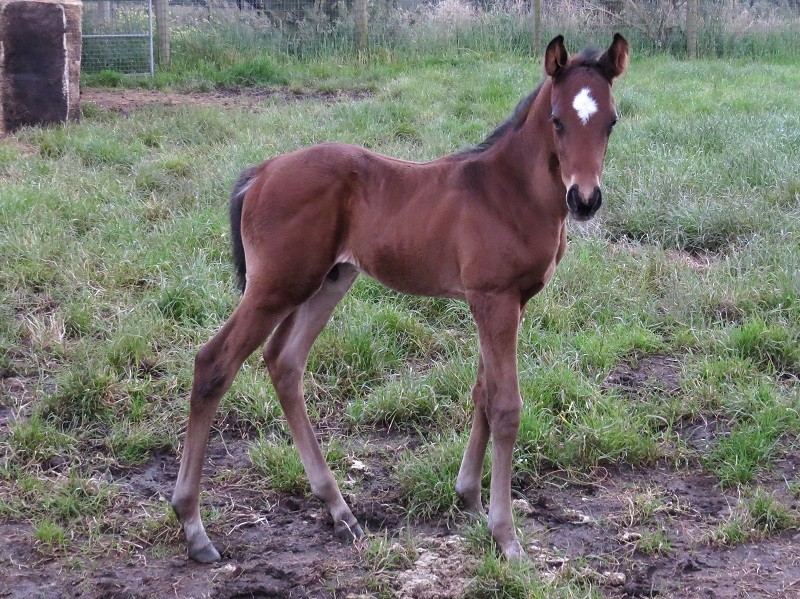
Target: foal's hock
x,y
486,225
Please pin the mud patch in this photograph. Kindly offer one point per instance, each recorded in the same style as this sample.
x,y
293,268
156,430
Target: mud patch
x,y
125,101
602,532
700,434
276,545
656,372
442,570
272,545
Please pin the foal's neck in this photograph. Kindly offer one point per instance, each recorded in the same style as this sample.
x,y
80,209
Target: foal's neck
x,y
528,153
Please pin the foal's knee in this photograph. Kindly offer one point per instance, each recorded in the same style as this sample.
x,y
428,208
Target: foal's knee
x,y
479,395
504,418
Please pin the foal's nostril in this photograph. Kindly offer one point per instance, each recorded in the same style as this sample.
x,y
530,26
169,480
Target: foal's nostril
x,y
582,207
596,200
574,200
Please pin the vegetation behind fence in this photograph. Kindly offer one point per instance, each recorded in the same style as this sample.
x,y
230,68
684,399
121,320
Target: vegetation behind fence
x,y
206,33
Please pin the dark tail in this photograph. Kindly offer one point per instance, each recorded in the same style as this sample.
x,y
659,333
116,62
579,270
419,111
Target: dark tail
x,y
237,199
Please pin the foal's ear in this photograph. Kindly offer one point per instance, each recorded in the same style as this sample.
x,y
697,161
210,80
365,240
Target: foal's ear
x,y
614,61
555,57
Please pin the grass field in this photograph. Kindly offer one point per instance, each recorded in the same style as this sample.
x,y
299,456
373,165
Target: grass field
x,y
666,349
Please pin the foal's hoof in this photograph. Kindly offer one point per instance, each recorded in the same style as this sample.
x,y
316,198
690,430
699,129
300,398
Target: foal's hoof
x,y
514,552
474,510
471,503
205,554
347,533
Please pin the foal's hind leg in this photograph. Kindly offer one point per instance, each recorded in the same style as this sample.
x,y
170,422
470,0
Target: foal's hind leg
x,y
216,365
468,483
286,356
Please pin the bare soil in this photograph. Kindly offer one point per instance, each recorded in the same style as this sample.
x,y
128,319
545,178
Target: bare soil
x,y
596,522
124,101
282,545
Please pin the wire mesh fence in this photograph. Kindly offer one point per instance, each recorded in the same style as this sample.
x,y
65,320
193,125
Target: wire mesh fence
x,y
214,31
118,36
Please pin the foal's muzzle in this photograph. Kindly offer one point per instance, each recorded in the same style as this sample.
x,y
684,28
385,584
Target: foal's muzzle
x,y
583,208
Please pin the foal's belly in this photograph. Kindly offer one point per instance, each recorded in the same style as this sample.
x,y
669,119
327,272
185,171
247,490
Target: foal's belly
x,y
413,249
414,273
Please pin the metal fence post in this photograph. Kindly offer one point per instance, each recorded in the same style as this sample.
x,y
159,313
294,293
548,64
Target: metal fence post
x,y
150,34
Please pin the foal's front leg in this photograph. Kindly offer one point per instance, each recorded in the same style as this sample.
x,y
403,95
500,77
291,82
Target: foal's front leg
x,y
497,318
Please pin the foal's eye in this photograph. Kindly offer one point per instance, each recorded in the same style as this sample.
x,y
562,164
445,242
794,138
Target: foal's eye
x,y
611,126
559,126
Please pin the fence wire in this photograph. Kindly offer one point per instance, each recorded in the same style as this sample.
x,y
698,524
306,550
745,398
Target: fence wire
x,y
214,31
118,36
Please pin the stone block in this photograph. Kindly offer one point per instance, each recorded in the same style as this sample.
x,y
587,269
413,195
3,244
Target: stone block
x,y
40,62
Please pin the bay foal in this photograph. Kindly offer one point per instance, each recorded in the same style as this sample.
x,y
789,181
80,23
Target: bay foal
x,y
487,225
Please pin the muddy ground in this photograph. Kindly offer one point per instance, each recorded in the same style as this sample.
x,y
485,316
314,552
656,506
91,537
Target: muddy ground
x,y
284,546
278,545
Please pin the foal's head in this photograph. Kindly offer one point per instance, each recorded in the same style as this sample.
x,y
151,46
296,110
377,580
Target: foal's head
x,y
583,115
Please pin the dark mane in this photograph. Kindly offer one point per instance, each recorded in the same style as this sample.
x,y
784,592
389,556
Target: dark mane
x,y
514,121
587,58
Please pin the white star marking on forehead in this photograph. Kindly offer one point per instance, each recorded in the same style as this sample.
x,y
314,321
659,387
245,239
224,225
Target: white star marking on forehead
x,y
584,105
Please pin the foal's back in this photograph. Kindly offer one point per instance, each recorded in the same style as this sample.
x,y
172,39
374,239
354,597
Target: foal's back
x,y
404,223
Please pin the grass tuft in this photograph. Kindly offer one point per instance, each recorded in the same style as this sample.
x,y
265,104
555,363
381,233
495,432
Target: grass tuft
x,y
755,517
279,461
50,536
495,578
772,346
427,476
36,441
769,515
83,397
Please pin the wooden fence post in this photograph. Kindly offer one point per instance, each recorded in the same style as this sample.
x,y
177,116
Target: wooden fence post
x,y
537,26
162,31
362,35
691,29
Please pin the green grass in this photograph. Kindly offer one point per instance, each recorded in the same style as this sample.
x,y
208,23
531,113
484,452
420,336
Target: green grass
x,y
50,535
495,578
384,556
278,461
114,269
755,517
427,477
654,541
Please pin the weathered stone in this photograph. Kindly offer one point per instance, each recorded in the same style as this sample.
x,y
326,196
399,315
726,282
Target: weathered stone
x,y
40,62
